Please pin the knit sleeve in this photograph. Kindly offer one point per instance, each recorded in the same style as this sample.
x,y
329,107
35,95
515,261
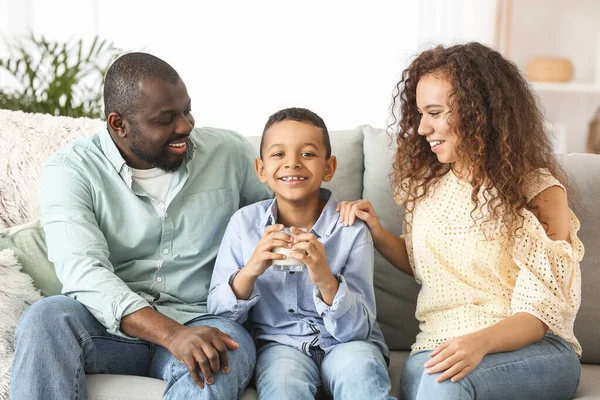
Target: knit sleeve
x,y
548,284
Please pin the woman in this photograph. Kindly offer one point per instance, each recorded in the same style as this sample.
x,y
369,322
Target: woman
x,y
488,233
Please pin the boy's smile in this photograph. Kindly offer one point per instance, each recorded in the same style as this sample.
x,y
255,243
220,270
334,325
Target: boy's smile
x,y
292,180
294,161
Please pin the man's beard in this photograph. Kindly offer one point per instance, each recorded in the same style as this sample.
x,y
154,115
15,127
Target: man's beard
x,y
139,147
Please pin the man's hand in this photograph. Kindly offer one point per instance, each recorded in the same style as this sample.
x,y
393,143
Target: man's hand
x,y
457,357
202,346
312,253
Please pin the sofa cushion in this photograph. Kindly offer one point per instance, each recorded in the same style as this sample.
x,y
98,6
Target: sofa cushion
x,y
584,178
127,387
589,383
16,294
29,244
347,147
396,292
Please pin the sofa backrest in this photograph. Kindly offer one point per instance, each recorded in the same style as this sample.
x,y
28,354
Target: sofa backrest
x,y
396,292
583,171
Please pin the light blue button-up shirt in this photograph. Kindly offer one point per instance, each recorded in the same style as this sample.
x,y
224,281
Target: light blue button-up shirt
x,y
286,307
117,250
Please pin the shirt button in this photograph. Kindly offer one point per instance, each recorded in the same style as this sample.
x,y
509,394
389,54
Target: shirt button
x,y
166,251
291,310
158,279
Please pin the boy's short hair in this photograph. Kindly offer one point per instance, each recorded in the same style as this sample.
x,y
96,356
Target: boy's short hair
x,y
300,115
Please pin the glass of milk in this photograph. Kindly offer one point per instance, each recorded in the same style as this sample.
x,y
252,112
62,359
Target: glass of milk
x,y
288,264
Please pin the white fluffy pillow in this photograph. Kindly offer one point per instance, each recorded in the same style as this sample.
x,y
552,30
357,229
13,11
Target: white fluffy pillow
x,y
16,294
26,142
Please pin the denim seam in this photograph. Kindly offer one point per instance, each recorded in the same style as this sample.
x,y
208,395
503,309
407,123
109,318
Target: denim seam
x,y
476,373
518,362
172,368
78,378
250,370
114,339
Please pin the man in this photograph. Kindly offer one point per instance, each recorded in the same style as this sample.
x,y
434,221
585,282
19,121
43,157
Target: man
x,y
133,218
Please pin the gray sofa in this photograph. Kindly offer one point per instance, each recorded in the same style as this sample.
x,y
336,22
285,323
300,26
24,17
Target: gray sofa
x,y
364,156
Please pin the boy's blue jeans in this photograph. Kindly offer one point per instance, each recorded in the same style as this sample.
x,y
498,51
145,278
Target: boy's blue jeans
x,y
57,341
352,370
548,369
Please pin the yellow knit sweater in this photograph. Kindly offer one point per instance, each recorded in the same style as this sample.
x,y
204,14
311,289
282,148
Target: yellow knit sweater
x,y
470,282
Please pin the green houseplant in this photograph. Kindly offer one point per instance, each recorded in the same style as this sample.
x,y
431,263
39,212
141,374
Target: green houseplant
x,y
58,78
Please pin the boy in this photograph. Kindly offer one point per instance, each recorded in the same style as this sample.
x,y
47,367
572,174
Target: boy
x,y
315,328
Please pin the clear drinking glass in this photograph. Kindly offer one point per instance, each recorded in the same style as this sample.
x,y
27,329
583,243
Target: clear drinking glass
x,y
289,264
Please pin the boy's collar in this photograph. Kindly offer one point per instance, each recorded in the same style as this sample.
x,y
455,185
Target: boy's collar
x,y
325,223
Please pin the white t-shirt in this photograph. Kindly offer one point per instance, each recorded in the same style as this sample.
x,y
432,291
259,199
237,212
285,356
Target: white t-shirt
x,y
154,181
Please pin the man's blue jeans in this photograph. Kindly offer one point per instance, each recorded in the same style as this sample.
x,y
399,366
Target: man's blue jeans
x,y
57,341
548,369
352,370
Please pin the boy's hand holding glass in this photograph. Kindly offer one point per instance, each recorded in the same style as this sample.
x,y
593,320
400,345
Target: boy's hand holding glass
x,y
263,256
289,263
312,253
261,259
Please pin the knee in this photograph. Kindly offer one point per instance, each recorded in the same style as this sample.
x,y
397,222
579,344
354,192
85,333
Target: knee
x,y
429,387
286,377
358,359
281,369
46,317
277,363
246,352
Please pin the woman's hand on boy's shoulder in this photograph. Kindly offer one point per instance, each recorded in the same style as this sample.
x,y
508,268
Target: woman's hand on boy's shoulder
x,y
361,209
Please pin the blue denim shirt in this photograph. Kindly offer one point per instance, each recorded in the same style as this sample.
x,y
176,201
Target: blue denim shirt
x,y
287,307
117,250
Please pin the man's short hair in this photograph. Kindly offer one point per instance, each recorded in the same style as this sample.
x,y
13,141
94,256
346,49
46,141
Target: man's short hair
x,y
121,84
299,115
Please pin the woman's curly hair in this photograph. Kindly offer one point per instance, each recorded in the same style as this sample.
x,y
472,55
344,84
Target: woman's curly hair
x,y
499,124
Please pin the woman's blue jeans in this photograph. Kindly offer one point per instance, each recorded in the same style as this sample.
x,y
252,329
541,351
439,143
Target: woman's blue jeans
x,y
352,370
548,369
57,341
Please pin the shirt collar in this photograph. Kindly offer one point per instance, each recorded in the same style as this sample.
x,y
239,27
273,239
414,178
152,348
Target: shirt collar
x,y
111,150
325,224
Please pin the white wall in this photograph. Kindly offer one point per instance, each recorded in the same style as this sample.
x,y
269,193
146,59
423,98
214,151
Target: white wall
x,y
564,28
453,21
243,60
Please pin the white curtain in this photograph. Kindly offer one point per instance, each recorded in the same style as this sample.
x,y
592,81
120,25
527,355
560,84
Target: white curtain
x,y
453,21
243,60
